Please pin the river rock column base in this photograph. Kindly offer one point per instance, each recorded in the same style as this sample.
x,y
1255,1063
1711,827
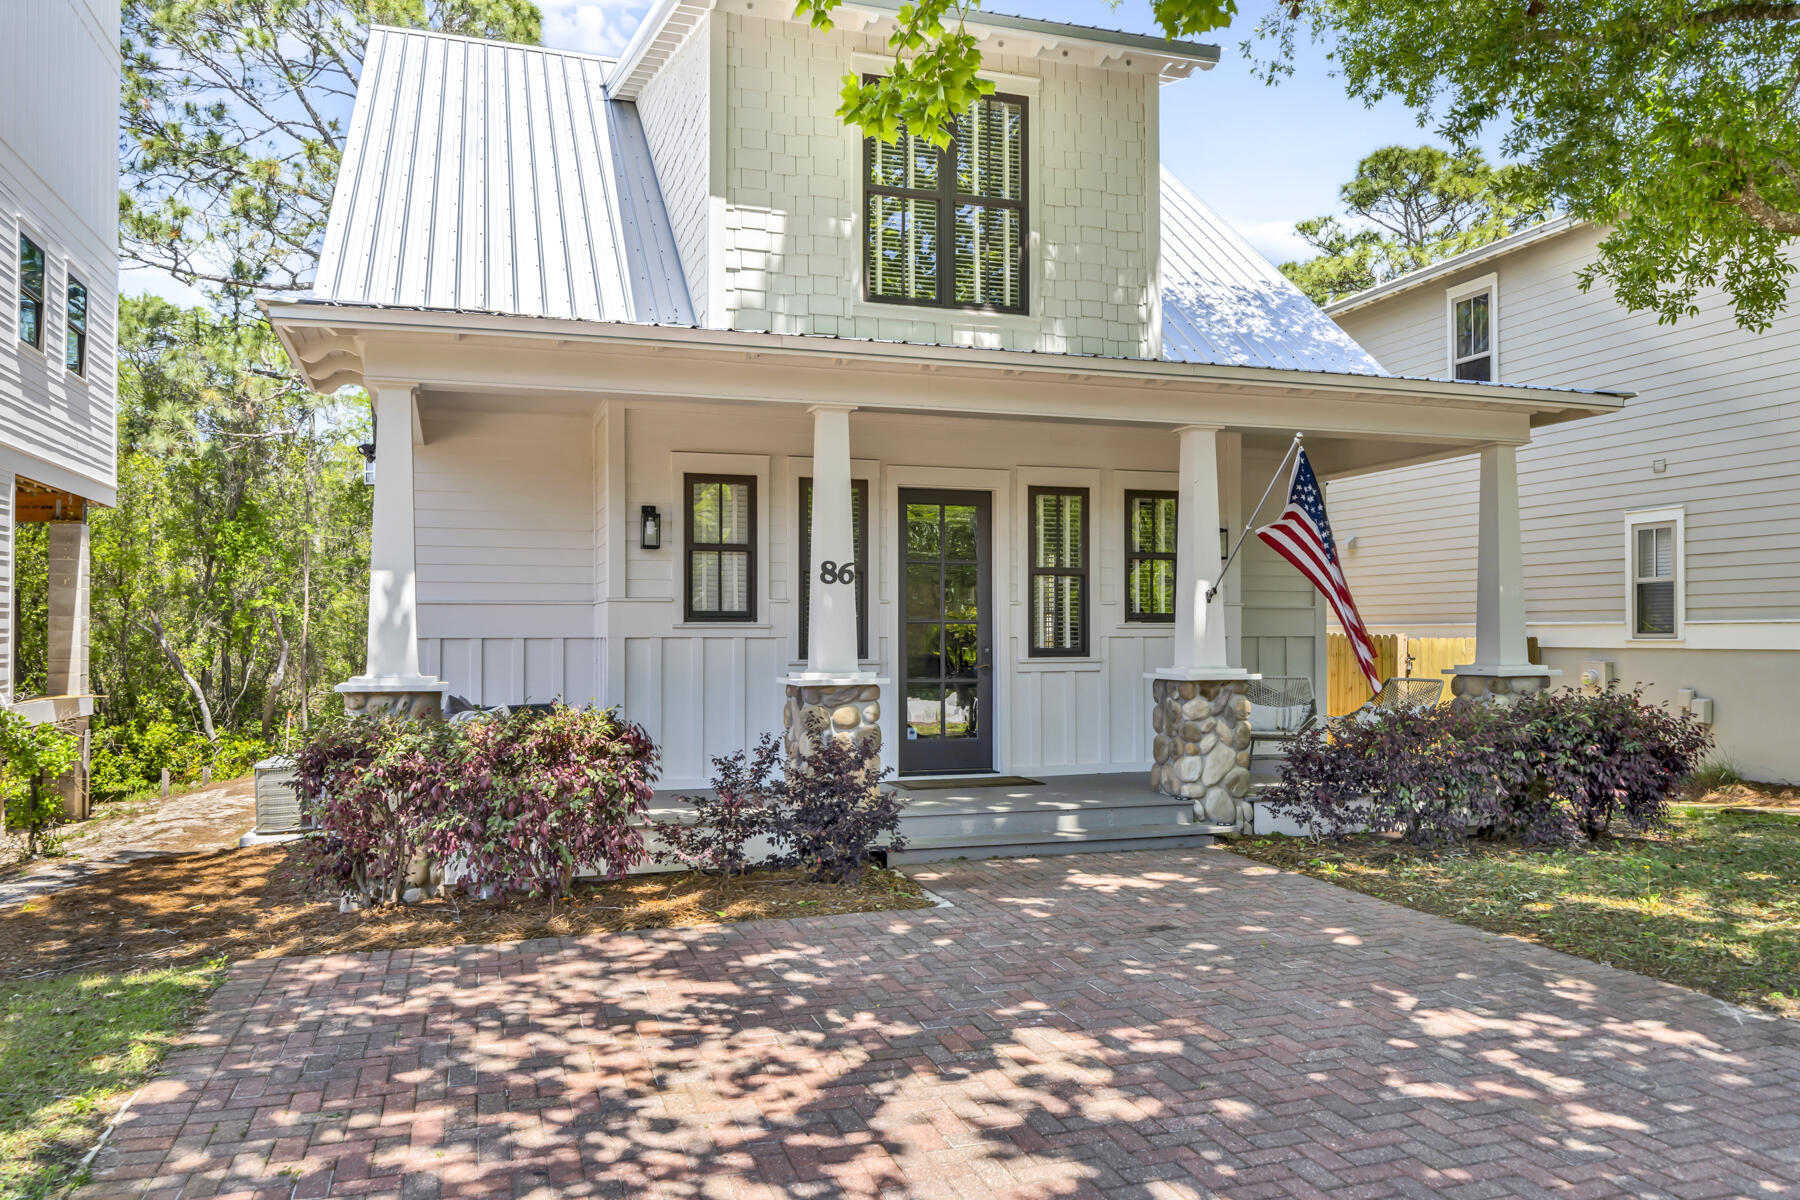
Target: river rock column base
x,y
1202,747
845,711
1494,689
426,699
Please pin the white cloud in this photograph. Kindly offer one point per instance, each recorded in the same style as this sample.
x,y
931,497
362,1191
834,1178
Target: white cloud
x,y
1274,240
591,26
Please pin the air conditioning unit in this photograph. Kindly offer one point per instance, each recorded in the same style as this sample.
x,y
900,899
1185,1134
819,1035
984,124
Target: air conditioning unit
x,y
277,804
1596,674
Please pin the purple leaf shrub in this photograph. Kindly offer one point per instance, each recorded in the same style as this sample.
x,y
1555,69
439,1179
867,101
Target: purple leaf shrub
x,y
521,803
1546,769
740,808
832,811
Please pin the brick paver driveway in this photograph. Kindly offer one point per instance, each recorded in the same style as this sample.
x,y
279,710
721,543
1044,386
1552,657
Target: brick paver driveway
x,y
1158,1025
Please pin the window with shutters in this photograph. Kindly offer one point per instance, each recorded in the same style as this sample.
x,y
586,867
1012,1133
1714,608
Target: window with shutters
x,y
1653,543
720,524
859,536
1059,572
1150,556
1474,330
971,193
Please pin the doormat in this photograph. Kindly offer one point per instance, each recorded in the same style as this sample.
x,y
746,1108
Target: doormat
x,y
934,783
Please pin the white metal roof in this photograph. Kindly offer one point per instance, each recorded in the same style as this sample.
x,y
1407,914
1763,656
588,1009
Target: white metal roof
x,y
489,176
1226,304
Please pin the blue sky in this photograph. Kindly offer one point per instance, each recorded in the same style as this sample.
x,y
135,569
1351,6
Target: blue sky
x,y
1263,157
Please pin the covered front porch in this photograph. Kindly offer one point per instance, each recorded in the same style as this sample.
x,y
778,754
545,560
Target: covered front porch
x,y
938,549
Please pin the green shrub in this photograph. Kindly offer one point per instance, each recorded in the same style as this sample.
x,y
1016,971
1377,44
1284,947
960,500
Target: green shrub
x,y
32,759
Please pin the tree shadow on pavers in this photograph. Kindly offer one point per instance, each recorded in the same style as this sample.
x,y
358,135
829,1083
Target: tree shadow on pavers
x,y
1070,1028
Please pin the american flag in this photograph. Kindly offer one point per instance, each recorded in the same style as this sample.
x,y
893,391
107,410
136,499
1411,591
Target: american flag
x,y
1302,535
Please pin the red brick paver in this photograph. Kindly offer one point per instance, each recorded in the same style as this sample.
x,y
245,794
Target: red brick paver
x,y
1152,1025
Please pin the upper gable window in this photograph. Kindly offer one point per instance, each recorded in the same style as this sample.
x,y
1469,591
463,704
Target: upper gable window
x,y
973,193
1473,331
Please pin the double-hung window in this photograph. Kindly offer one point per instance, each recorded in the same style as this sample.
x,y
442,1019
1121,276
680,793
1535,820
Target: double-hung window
x,y
1473,328
721,547
1150,556
947,227
75,327
859,535
31,292
1654,608
1059,572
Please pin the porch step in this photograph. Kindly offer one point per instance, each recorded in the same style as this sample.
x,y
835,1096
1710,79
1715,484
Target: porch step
x,y
1081,805
1040,845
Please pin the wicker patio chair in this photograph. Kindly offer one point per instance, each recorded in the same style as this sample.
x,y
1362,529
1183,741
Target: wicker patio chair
x,y
1281,707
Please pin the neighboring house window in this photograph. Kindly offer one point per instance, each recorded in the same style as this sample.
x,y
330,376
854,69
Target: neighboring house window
x,y
721,547
1473,331
1150,556
947,227
1059,574
1655,549
31,292
75,328
859,536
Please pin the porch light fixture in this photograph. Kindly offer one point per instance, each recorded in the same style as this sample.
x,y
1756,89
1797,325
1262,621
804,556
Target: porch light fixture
x,y
652,528
367,450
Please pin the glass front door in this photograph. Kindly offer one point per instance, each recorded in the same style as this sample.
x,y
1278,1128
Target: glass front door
x,y
947,674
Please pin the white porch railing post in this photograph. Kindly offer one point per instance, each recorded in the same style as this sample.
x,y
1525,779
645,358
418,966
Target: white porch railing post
x,y
1502,663
831,615
391,680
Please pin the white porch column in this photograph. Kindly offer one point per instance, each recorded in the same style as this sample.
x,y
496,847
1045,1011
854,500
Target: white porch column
x,y
391,681
1502,663
833,695
1200,713
831,618
66,658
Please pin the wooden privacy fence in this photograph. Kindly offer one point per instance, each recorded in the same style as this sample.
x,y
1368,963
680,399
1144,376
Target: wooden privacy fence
x,y
1399,654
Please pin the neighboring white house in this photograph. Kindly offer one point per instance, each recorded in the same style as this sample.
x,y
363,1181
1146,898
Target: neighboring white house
x,y
59,219
676,409
1661,544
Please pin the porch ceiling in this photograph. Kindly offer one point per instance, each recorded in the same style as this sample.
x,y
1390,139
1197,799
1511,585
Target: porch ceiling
x,y
1354,423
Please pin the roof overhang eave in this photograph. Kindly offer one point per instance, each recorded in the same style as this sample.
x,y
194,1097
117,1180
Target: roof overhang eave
x,y
1444,268
1545,405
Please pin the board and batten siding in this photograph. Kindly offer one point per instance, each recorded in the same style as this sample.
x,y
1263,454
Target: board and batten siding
x,y
506,551
1715,405
534,584
59,183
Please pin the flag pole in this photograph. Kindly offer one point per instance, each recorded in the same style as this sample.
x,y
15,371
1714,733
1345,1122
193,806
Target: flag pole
x,y
1254,513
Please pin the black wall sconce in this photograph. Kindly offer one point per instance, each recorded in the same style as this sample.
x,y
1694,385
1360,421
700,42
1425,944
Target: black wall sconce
x,y
367,450
652,528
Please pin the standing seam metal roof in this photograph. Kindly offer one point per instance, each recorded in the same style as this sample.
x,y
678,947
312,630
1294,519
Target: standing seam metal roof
x,y
485,176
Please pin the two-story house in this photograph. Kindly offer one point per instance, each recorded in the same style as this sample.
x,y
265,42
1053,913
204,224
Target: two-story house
x,y
59,217
1661,544
691,400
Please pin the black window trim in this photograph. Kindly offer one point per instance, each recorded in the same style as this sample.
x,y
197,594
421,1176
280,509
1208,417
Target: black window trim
x,y
70,283
689,546
946,196
43,307
1133,557
1033,571
859,536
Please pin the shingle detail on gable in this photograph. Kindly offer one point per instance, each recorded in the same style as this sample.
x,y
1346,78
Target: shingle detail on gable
x,y
1223,303
494,177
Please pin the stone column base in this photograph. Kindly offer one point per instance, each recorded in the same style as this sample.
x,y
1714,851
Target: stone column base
x,y
1202,748
417,698
1477,688
848,707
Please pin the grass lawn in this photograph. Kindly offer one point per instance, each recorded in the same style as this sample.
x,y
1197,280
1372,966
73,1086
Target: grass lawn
x,y
1712,903
72,1049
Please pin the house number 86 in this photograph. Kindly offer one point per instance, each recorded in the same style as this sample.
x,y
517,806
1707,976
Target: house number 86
x,y
834,572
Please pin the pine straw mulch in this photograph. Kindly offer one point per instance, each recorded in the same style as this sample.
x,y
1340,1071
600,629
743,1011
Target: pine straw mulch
x,y
252,903
1748,795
